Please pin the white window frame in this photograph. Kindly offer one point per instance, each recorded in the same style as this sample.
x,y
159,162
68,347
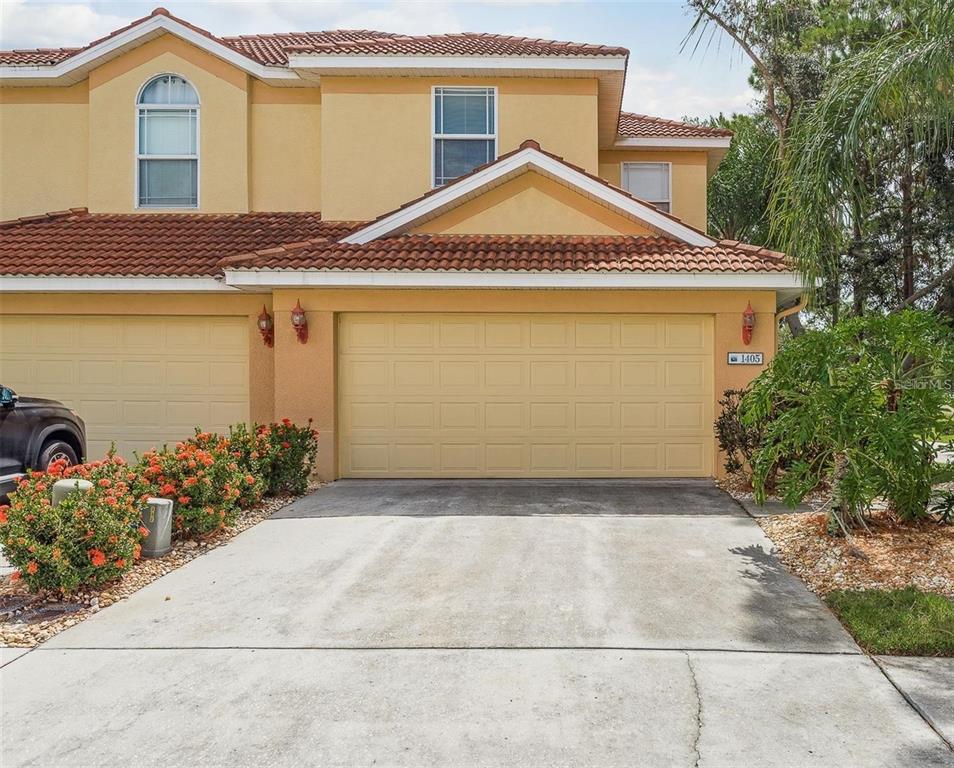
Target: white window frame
x,y
464,136
654,203
198,145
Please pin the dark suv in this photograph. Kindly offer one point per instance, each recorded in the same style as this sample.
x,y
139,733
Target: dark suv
x,y
33,433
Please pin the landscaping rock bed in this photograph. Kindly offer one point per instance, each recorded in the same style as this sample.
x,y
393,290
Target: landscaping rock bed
x,y
893,555
28,619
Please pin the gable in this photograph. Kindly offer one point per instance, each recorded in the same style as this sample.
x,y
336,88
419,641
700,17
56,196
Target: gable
x,y
531,204
172,51
528,158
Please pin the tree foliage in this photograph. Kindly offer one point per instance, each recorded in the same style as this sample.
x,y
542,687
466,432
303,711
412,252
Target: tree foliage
x,y
859,96
858,165
739,192
859,407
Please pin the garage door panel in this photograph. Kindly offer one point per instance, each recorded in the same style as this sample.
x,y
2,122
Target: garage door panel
x,y
640,457
459,373
685,457
549,374
589,416
138,382
411,374
595,334
640,333
461,457
595,395
504,335
505,416
596,457
16,370
595,374
139,373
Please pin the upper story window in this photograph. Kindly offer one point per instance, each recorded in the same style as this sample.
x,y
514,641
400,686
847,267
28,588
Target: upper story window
x,y
167,144
465,131
649,182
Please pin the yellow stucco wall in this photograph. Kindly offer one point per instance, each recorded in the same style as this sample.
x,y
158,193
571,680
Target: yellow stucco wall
x,y
376,134
299,380
305,375
532,204
44,145
285,149
688,178
223,125
260,357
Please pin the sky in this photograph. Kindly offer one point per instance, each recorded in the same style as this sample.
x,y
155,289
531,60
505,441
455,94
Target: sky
x,y
662,79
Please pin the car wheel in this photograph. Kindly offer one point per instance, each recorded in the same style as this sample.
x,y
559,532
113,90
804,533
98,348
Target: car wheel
x,y
55,450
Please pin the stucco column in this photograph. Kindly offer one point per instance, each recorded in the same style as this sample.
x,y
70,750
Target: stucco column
x,y
728,338
305,377
261,375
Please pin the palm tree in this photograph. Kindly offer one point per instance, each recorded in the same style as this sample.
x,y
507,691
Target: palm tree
x,y
896,96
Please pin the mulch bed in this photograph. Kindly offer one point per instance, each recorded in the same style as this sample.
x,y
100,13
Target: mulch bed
x,y
28,619
893,555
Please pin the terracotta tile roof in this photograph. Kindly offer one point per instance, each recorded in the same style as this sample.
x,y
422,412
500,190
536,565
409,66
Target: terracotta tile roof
x,y
533,253
56,55
632,125
37,56
75,242
273,49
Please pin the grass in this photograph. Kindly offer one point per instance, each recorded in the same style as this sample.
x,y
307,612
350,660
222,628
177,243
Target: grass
x,y
903,622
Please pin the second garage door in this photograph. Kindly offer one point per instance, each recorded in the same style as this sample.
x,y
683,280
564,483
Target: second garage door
x,y
137,382
483,395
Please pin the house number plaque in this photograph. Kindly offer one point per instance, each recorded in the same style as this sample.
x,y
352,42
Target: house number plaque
x,y
745,358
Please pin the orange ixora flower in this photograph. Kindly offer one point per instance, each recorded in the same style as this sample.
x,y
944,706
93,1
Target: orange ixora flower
x,y
97,558
120,563
32,567
15,576
3,514
143,531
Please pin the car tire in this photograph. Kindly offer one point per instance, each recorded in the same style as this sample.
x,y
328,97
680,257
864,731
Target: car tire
x,y
53,450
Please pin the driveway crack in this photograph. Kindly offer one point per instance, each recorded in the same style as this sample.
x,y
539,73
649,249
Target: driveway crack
x,y
695,690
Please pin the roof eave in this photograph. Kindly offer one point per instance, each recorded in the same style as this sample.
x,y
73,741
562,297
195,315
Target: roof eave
x,y
672,142
786,283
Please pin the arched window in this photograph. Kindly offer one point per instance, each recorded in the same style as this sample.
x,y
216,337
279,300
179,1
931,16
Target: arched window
x,y
167,145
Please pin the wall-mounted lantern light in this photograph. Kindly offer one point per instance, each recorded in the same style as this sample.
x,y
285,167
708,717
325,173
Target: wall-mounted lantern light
x,y
266,327
748,324
300,322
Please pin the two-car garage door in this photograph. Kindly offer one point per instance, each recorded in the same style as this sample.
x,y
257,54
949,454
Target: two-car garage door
x,y
136,381
455,395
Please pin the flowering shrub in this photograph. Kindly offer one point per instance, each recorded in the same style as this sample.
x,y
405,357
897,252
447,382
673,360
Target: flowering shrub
x,y
250,452
246,462
201,477
89,538
288,454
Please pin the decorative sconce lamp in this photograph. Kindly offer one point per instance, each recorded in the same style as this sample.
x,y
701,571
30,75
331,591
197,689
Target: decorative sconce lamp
x,y
748,324
266,327
300,322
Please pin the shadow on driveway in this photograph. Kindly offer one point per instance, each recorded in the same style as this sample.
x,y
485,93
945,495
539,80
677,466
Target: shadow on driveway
x,y
435,498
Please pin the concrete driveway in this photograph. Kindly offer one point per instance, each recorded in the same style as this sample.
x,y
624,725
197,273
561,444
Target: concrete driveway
x,y
428,623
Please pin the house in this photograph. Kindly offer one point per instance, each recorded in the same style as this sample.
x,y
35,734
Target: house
x,y
498,273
